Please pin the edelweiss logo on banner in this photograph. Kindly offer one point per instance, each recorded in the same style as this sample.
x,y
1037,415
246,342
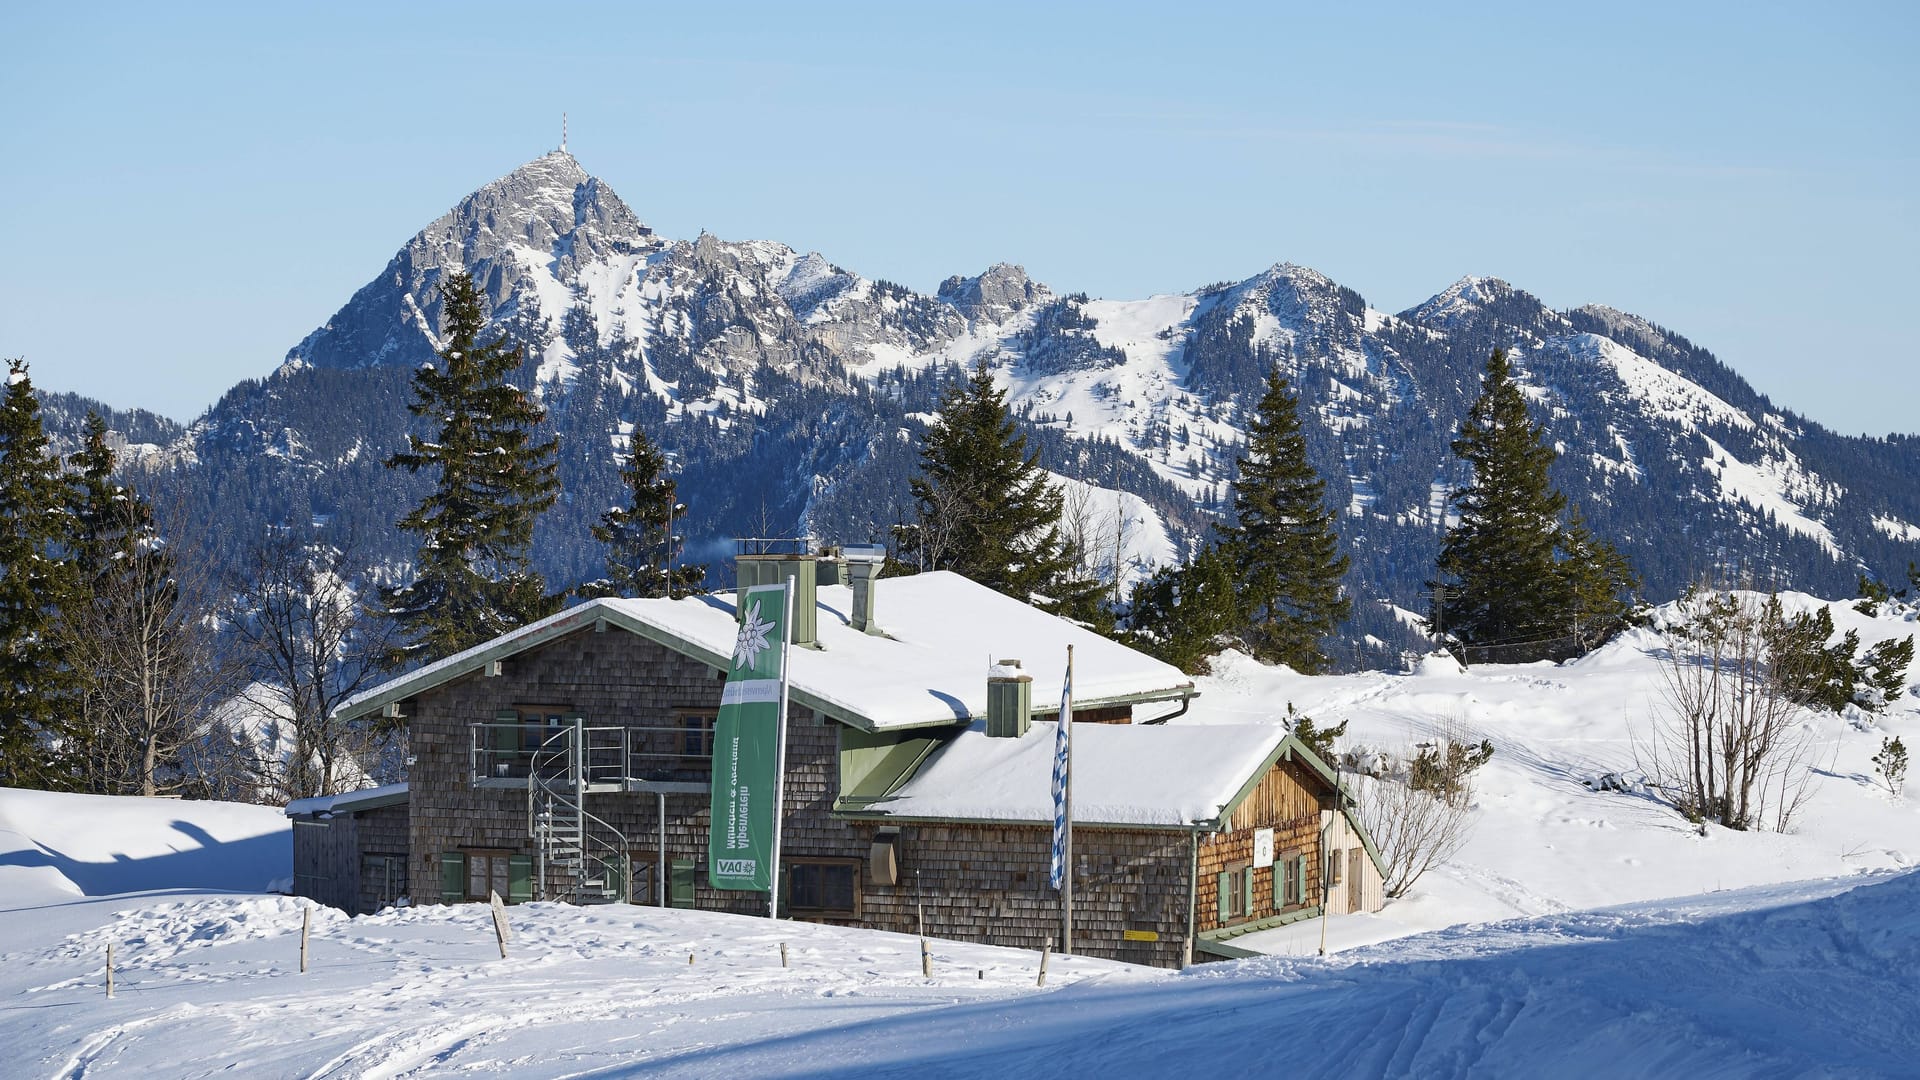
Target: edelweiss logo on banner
x,y
752,640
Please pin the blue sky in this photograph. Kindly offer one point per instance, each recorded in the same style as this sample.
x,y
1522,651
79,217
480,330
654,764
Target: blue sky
x,y
187,192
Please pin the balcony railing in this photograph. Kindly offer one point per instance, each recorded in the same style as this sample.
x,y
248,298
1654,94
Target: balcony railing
x,y
503,755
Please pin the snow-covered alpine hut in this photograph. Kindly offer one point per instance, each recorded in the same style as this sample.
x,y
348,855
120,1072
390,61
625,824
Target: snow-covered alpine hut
x,y
571,759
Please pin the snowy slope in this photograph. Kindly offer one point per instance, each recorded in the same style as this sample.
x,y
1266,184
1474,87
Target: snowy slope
x,y
1543,841
1579,932
1783,980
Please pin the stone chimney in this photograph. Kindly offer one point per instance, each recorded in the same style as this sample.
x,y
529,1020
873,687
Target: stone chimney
x,y
1009,700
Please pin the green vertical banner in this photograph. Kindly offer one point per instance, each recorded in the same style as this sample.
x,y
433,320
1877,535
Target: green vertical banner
x,y
746,747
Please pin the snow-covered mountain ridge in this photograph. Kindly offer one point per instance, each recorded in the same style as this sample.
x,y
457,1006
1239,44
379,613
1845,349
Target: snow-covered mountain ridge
x,y
788,388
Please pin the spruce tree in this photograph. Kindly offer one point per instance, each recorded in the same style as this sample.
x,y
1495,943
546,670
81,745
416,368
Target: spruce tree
x,y
1286,556
1510,573
985,508
112,525
642,548
474,578
1186,614
38,585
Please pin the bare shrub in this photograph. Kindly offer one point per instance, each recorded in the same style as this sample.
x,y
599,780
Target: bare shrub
x,y
1730,746
1418,827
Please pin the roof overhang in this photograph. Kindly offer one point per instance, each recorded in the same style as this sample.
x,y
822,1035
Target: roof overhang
x,y
386,698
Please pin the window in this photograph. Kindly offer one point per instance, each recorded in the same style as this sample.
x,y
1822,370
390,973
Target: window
x,y
1236,892
488,872
827,887
538,723
1288,873
1333,868
696,733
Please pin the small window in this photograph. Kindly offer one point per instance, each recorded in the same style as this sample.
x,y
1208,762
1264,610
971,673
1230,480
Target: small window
x,y
1236,892
824,887
489,872
1333,868
696,734
1286,886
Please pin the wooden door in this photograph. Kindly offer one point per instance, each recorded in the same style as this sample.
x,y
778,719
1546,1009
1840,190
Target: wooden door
x,y
1356,899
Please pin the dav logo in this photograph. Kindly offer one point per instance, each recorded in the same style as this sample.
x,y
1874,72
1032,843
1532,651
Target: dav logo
x,y
736,867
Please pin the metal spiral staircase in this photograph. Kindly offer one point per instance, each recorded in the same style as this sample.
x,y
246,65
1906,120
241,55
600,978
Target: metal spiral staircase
x,y
589,855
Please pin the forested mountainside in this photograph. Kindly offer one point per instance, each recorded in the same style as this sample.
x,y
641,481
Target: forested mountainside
x,y
790,393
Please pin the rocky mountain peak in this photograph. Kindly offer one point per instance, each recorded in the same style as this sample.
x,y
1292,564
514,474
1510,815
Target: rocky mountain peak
x,y
995,295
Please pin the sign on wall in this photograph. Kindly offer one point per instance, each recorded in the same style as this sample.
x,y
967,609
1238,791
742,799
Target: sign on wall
x,y
746,747
1262,848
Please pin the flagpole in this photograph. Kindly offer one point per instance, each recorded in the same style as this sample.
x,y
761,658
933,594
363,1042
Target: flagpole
x,y
1066,875
780,754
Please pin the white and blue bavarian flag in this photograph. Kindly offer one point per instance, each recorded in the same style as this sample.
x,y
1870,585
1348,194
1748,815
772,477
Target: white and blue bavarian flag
x,y
1062,780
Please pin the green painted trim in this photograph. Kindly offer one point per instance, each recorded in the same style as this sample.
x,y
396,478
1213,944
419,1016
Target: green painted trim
x,y
874,765
1145,697
1285,918
1223,950
857,810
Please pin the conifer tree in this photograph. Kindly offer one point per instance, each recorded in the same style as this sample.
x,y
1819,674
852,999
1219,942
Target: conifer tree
x,y
986,510
111,522
1510,572
38,584
642,549
1286,556
474,578
1186,614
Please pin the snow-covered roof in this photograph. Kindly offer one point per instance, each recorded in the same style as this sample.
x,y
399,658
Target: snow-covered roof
x,y
940,633
349,801
1123,774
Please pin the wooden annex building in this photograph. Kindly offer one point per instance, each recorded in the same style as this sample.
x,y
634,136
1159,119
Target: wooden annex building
x,y
570,760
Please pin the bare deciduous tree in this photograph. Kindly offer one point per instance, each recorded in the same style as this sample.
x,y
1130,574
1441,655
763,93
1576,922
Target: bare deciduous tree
x,y
1730,746
144,650
1416,828
308,642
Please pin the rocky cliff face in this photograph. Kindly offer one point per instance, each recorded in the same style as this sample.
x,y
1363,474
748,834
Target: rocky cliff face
x,y
790,390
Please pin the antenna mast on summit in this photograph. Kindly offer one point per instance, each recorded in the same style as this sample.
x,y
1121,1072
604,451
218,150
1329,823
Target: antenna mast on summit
x,y
563,133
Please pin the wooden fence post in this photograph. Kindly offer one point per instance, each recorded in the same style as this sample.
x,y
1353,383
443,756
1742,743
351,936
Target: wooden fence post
x,y
926,960
1048,948
306,921
783,954
109,969
500,932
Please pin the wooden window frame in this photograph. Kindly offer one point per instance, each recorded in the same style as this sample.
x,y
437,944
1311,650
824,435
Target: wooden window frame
x,y
503,857
539,722
696,741
793,906
1236,877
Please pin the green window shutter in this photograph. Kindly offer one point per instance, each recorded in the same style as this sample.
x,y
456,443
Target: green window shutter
x,y
505,733
683,874
519,879
618,869
1225,891
453,877
1246,891
1280,869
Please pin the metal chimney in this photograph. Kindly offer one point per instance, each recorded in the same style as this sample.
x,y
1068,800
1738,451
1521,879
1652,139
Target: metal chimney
x,y
863,569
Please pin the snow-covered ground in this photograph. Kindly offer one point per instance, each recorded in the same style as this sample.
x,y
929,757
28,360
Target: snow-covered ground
x,y
1543,842
1579,933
